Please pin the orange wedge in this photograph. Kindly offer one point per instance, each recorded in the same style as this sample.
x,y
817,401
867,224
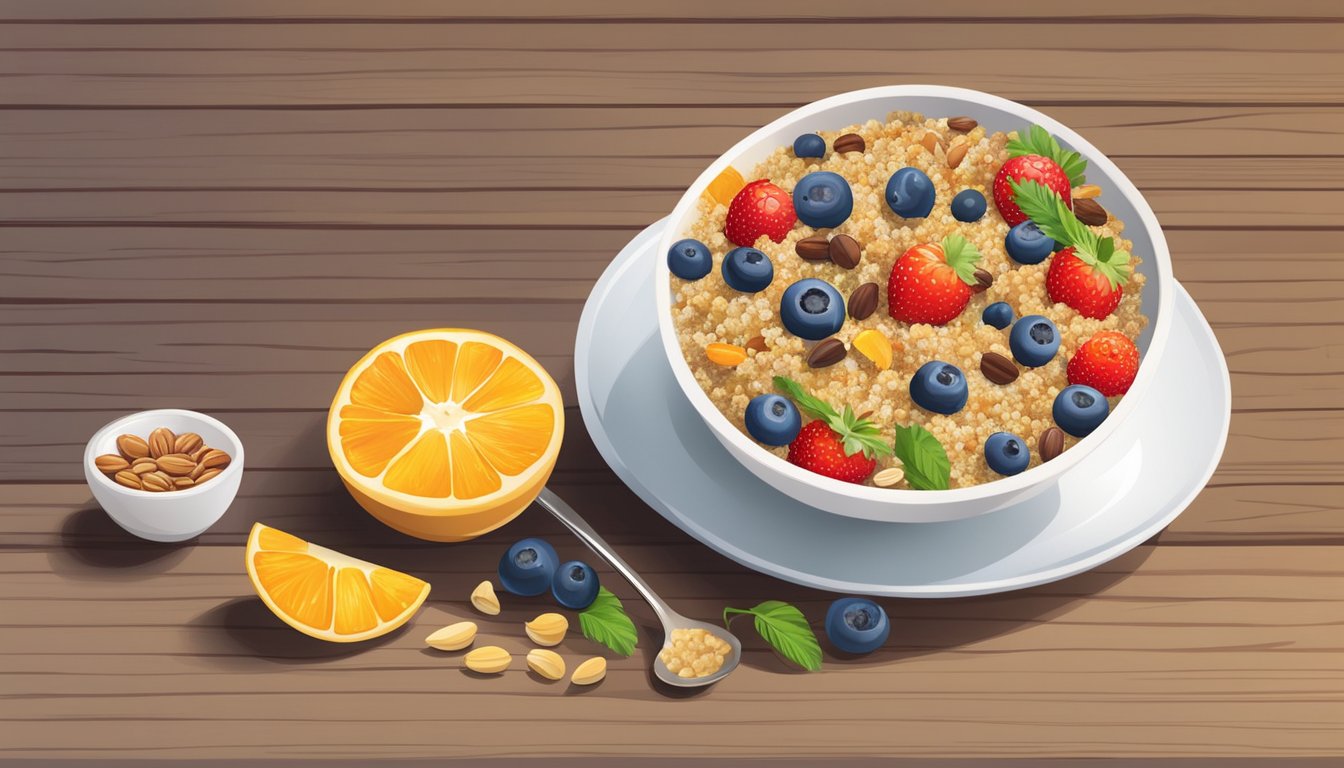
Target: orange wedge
x,y
726,185
326,594
445,434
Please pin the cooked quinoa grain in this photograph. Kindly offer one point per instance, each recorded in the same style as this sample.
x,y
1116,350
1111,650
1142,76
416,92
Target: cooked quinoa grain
x,y
708,311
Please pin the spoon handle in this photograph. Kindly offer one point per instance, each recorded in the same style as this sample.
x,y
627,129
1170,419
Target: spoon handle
x,y
566,514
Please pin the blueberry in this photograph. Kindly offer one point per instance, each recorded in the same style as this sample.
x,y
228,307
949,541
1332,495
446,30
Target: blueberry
x,y
1006,453
998,314
823,199
812,309
528,567
1079,409
910,193
968,205
689,259
1027,244
939,387
857,625
575,585
1034,340
747,270
773,419
809,145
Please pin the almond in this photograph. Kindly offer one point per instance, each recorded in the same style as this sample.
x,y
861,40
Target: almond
x,y
961,123
930,140
483,599
845,251
111,464
547,629
827,352
132,447
188,443
183,483
983,279
590,672
1090,212
206,475
814,248
757,343
156,482
128,479
453,637
863,301
141,466
850,142
1051,443
546,663
215,459
488,660
176,465
1085,192
161,442
956,154
199,453
889,477
998,368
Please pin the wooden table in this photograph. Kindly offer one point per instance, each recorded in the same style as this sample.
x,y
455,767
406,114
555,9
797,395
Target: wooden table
x,y
221,205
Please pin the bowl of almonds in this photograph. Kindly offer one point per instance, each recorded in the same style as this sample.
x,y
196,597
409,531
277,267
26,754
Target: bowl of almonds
x,y
164,475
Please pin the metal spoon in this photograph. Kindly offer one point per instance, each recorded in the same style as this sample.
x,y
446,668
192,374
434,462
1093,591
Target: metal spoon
x,y
671,619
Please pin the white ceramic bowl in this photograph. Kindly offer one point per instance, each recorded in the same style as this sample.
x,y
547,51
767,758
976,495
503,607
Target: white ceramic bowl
x,y
175,515
996,114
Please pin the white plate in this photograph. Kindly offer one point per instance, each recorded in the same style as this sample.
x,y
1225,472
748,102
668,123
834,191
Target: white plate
x,y
1122,494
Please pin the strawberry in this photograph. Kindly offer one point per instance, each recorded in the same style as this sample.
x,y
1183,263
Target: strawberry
x,y
836,445
1036,168
1083,286
931,283
1107,362
759,208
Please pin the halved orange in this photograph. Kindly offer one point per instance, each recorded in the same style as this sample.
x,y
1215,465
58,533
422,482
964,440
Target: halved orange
x,y
326,594
445,434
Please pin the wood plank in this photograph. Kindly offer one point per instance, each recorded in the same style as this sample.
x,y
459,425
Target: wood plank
x,y
1113,661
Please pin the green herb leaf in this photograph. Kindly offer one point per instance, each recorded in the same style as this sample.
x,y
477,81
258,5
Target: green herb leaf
x,y
785,628
812,406
926,465
855,434
606,622
1038,141
961,257
1043,206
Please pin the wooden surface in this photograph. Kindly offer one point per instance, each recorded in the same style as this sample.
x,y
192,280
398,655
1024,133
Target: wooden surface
x,y
221,205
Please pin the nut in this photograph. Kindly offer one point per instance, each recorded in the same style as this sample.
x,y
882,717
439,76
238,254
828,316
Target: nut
x,y
453,637
1051,443
850,142
183,483
956,154
814,248
961,123
132,447
161,442
547,629
546,663
1085,192
111,464
875,346
889,477
590,672
488,660
983,279
206,475
845,251
141,466
176,464
188,443
128,479
998,368
215,459
727,355
826,352
930,140
156,482
1090,212
757,343
863,301
483,599
199,453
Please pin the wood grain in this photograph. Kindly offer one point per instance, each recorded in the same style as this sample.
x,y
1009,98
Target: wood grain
x,y
222,205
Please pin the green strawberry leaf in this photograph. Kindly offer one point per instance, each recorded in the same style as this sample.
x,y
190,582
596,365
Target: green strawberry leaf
x,y
1045,207
812,406
606,622
785,628
926,465
961,257
1038,141
855,434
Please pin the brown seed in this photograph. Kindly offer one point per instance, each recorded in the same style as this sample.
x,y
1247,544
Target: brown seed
x,y
930,140
128,479
215,459
983,279
141,466
850,142
182,483
1085,192
1090,212
845,251
814,248
863,301
961,123
161,442
826,352
199,453
956,154
111,464
998,368
188,443
176,465
757,343
1051,443
156,482
132,447
206,475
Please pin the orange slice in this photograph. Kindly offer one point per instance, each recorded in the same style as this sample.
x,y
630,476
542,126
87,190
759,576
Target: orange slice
x,y
445,434
726,185
326,594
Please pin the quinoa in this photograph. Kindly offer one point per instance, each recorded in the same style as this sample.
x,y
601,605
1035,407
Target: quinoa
x,y
707,310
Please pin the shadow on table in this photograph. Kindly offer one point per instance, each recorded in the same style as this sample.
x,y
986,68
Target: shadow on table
x,y
94,547
243,630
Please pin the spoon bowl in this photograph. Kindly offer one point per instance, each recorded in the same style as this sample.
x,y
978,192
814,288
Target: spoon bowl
x,y
730,659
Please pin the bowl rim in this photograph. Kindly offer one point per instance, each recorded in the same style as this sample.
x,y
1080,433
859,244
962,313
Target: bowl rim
x,y
743,448
91,452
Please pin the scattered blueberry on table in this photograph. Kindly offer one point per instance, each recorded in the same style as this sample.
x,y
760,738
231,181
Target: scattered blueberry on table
x,y
575,585
1079,409
812,309
689,259
939,387
823,199
747,270
773,419
1027,244
998,314
857,625
528,567
1006,453
1034,340
809,145
968,206
910,193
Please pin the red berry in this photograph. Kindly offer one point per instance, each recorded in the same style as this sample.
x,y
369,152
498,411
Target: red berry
x,y
1028,167
819,449
924,288
759,208
1076,283
1107,362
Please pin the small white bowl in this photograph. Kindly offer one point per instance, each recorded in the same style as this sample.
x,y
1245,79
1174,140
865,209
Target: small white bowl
x,y
173,515
996,114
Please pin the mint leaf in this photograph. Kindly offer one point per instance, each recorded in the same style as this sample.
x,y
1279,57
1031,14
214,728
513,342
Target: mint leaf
x,y
785,628
855,434
926,465
1038,141
1043,206
606,622
961,256
814,407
